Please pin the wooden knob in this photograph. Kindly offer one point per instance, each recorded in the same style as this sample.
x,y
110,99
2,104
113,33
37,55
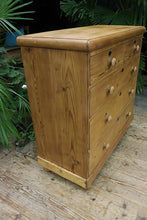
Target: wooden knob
x,y
137,48
110,90
129,114
131,91
106,146
113,62
133,69
109,118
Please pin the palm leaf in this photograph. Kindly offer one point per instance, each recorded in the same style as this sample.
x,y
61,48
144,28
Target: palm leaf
x,y
8,14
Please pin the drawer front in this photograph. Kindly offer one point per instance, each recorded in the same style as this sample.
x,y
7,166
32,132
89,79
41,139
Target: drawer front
x,y
104,118
108,61
107,89
110,138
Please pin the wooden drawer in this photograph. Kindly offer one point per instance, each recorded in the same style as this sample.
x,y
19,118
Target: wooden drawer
x,y
106,144
110,60
106,90
103,120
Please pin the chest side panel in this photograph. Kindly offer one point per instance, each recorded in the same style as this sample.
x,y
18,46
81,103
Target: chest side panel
x,y
57,88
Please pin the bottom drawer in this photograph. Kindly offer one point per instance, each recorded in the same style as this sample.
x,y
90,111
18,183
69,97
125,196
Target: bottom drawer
x,y
105,145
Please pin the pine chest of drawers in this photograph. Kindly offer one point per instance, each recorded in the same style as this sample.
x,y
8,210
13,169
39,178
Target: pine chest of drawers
x,y
81,85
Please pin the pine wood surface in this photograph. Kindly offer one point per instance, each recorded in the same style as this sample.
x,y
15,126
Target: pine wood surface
x,y
59,104
112,107
123,80
110,136
28,191
63,172
77,97
88,38
123,53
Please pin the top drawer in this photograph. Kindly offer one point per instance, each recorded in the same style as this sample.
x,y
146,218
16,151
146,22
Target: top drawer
x,y
104,63
106,90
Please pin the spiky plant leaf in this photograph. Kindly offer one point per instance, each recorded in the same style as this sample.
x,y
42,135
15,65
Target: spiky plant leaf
x,y
9,13
14,105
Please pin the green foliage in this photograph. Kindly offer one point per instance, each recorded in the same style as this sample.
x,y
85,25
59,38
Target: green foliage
x,y
121,12
15,116
9,13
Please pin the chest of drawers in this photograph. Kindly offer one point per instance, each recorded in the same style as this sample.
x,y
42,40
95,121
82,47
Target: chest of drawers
x,y
81,85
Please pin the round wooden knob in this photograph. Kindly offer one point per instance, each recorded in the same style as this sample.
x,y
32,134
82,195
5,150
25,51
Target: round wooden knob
x,y
131,91
109,118
106,146
129,114
137,48
133,69
111,89
113,62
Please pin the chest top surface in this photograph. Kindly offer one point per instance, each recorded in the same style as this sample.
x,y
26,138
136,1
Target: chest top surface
x,y
86,38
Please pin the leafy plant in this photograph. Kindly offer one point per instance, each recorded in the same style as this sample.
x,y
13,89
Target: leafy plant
x,y
9,12
127,12
7,127
15,116
122,12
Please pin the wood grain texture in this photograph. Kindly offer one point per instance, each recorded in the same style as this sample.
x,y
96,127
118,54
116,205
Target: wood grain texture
x,y
122,80
57,91
63,172
9,213
111,136
88,38
112,107
123,53
80,99
22,196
